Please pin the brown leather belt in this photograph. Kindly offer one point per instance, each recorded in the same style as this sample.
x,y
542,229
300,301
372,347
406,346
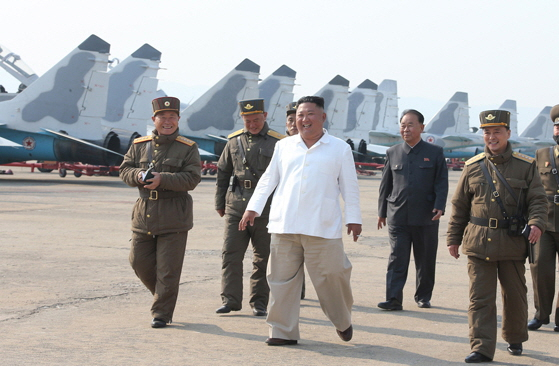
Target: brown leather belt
x,y
159,195
491,222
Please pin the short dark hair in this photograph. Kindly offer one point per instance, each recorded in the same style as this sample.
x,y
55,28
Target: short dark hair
x,y
319,101
413,112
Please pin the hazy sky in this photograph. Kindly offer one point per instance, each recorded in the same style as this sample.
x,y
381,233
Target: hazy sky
x,y
493,50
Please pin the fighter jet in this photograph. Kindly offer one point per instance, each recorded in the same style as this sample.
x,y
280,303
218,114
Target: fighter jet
x,y
57,117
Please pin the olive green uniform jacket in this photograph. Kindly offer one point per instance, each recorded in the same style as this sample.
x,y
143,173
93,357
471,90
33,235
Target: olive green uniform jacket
x,y
178,161
258,150
550,185
473,198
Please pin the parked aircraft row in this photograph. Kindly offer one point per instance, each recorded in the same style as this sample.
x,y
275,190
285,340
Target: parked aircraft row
x,y
89,109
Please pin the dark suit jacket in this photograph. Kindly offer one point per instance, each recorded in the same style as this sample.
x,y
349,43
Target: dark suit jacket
x,y
414,182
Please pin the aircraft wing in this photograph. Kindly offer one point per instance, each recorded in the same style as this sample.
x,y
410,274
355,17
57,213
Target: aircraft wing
x,y
207,156
9,143
218,138
82,142
457,138
382,134
377,150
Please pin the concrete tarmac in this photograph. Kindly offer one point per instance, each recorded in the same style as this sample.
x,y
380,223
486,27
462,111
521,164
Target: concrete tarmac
x,y
69,297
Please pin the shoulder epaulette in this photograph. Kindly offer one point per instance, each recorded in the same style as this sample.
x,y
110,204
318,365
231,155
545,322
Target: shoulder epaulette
x,y
523,157
475,158
182,139
232,135
275,134
142,139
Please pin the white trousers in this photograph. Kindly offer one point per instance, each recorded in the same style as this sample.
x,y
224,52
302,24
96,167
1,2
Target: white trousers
x,y
329,270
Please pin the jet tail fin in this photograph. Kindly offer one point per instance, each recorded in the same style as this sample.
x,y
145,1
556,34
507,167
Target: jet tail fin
x,y
335,95
453,118
67,96
541,126
277,92
217,111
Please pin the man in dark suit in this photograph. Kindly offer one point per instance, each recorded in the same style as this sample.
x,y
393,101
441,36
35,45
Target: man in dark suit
x,y
412,195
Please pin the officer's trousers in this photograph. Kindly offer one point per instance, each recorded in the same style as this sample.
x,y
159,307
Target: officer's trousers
x,y
157,261
424,240
482,312
543,275
234,248
329,270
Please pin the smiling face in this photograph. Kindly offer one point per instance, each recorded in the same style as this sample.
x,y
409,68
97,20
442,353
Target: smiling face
x,y
255,122
310,120
166,122
496,138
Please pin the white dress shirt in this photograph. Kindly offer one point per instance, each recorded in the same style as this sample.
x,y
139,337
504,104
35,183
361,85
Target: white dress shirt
x,y
308,184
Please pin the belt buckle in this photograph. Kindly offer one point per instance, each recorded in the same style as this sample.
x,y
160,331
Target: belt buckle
x,y
153,195
556,199
493,223
247,184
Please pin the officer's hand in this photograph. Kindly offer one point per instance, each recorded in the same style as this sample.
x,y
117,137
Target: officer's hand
x,y
535,234
154,182
453,249
221,212
438,214
381,222
248,218
356,229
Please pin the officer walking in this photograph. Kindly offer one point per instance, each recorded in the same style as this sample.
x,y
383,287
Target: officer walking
x,y
243,161
547,249
412,196
499,191
164,167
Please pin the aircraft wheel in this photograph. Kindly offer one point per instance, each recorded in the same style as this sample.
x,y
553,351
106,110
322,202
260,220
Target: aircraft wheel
x,y
44,170
62,172
77,173
212,171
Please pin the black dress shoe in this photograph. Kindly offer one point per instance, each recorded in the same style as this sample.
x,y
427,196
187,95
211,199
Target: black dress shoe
x,y
223,309
391,305
278,341
515,349
476,357
535,324
259,312
347,334
423,304
556,328
158,323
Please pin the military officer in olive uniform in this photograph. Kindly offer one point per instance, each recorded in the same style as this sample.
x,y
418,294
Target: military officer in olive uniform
x,y
243,161
484,219
547,249
162,215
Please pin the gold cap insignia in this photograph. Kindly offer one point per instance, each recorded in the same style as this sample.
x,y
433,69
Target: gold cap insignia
x,y
557,119
490,117
248,106
167,103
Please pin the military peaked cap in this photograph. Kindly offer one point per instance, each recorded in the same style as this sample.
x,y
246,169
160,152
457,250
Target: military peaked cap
x,y
554,114
251,106
494,118
290,108
166,104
